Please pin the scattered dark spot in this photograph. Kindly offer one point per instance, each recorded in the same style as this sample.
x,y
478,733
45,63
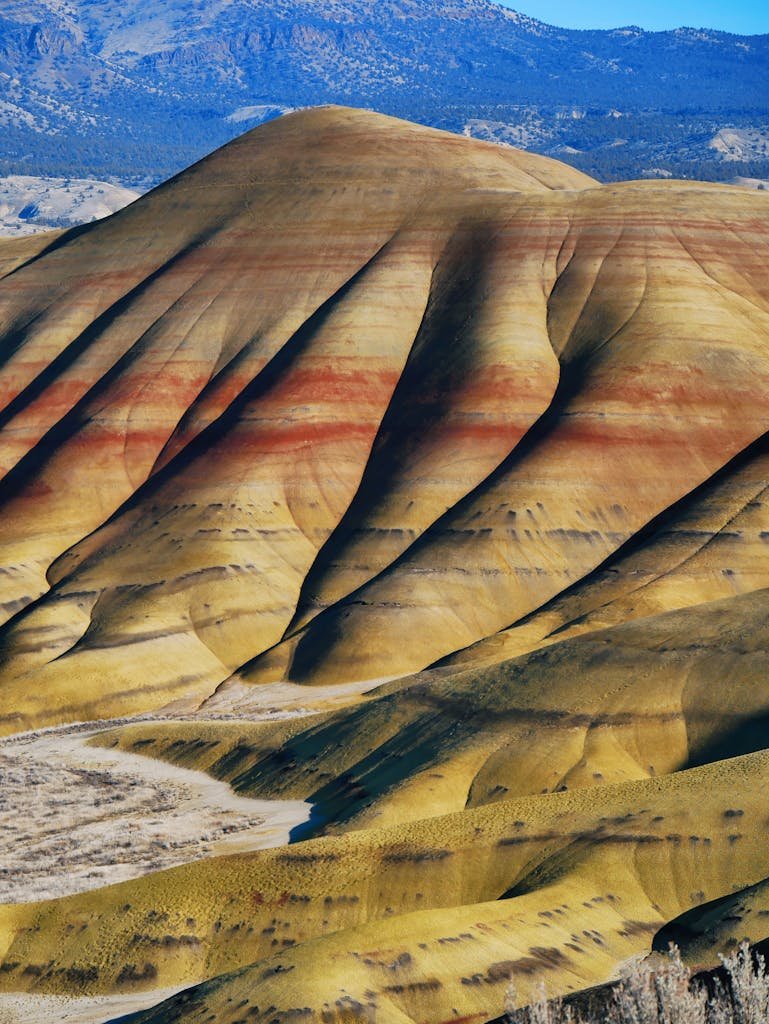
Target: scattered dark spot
x,y
431,985
129,973
416,856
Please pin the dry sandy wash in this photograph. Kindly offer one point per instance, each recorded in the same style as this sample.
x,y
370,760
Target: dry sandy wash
x,y
452,466
74,817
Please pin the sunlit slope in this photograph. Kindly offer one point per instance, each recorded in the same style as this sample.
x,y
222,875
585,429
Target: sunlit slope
x,y
218,360
712,544
16,252
645,698
588,878
644,309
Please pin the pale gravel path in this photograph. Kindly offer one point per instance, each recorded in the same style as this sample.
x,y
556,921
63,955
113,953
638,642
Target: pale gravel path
x,y
75,817
30,1009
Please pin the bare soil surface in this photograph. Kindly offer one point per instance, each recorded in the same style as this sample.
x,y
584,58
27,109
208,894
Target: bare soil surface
x,y
75,817
29,1009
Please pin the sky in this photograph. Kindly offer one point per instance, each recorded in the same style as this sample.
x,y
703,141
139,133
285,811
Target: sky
x,y
746,17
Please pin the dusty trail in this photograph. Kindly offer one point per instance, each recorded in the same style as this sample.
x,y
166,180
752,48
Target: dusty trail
x,y
75,817
61,1010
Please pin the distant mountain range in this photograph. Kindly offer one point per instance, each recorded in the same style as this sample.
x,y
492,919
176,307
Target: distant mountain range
x,y
127,90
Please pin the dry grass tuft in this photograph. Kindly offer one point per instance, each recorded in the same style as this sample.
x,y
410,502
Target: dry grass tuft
x,y
666,993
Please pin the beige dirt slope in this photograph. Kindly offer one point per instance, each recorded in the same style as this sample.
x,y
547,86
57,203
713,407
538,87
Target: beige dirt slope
x,y
460,456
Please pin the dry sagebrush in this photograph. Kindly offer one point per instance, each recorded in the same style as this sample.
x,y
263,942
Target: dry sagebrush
x,y
666,994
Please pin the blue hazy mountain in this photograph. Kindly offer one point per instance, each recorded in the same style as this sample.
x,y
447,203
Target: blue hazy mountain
x,y
137,90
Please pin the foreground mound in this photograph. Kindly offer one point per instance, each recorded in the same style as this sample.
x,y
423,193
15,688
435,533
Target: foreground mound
x,y
412,919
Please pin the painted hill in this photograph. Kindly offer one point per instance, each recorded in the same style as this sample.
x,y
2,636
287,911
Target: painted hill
x,y
467,455
250,437
413,921
229,384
